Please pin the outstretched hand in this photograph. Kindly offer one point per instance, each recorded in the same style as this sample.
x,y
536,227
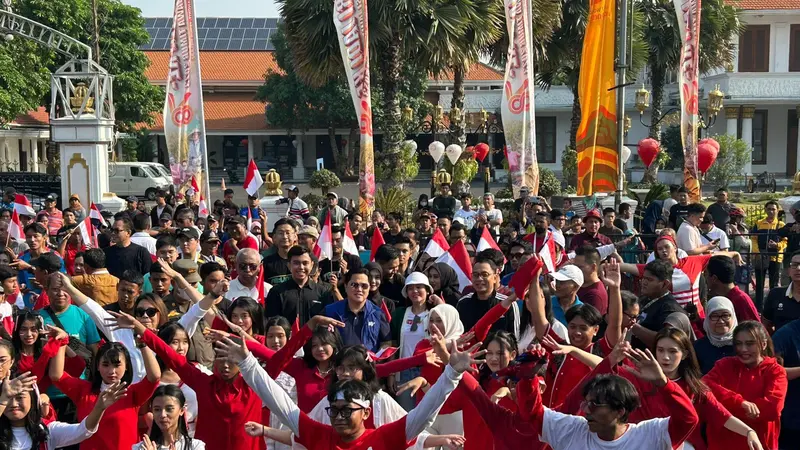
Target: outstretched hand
x,y
110,396
324,321
124,321
231,351
12,387
611,277
647,368
466,360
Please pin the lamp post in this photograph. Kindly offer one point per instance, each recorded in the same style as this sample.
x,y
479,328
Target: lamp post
x,y
713,107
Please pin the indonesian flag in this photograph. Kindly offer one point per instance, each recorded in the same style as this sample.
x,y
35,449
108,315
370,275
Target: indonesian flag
x,y
87,231
252,181
377,241
260,286
15,227
94,213
195,186
438,245
324,246
202,209
548,254
348,242
7,317
458,259
23,206
488,242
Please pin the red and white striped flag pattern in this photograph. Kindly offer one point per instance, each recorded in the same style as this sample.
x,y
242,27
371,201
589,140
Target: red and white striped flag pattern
x,y
458,259
15,227
438,245
23,206
348,242
87,232
94,213
548,254
324,247
202,208
487,241
252,181
377,241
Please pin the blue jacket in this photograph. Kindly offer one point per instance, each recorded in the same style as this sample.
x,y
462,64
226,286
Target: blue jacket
x,y
375,328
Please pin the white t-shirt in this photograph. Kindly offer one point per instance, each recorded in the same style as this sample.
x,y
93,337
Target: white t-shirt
x,y
688,237
494,214
716,233
196,445
468,217
564,431
668,203
409,339
61,435
237,289
191,405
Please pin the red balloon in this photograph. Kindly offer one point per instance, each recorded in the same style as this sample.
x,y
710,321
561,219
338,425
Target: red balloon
x,y
481,151
706,155
648,150
711,141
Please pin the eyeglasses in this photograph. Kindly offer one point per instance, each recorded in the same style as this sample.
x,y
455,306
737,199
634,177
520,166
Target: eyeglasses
x,y
794,265
362,286
344,413
516,255
118,230
246,266
591,405
631,317
483,275
720,317
149,312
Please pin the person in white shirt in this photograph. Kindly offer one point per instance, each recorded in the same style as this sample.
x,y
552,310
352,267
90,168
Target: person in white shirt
x,y
688,237
141,226
494,215
465,213
21,415
169,431
670,202
710,233
248,265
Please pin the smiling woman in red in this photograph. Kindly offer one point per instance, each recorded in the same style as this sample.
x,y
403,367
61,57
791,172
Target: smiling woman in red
x,y
752,385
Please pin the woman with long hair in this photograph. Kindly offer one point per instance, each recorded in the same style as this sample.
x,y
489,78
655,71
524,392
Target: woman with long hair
x,y
718,325
21,423
176,337
249,315
752,385
444,282
501,349
111,365
169,431
375,278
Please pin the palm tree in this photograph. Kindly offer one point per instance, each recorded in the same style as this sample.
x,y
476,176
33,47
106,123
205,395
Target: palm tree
x,y
719,24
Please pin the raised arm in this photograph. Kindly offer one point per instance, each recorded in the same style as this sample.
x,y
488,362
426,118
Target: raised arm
x,y
178,281
534,301
484,324
612,279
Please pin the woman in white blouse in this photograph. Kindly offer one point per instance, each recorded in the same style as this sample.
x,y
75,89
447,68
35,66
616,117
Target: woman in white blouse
x,y
169,430
21,426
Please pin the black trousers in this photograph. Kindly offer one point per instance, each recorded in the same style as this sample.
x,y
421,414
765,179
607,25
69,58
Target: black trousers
x,y
767,267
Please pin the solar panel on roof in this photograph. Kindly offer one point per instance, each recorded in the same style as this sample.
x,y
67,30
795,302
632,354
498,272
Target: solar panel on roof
x,y
216,33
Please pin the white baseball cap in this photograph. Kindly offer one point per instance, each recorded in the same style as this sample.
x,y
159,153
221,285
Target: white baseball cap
x,y
569,273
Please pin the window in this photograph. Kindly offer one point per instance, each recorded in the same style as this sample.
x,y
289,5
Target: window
x,y
138,172
754,49
794,48
760,137
546,139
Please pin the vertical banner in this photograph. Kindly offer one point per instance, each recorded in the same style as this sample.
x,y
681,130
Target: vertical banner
x,y
517,109
688,12
184,126
350,19
597,133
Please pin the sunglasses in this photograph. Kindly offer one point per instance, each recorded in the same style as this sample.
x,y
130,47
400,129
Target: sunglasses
x,y
362,286
344,413
246,266
142,312
591,405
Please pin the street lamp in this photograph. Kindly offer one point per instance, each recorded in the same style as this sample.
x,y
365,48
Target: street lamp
x,y
713,107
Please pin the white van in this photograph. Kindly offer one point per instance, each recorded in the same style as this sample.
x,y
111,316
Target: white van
x,y
135,178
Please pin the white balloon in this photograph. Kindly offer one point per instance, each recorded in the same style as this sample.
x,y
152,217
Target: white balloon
x,y
436,149
412,144
626,153
453,152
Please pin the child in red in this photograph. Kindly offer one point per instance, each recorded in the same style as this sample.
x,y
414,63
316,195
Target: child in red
x,y
111,364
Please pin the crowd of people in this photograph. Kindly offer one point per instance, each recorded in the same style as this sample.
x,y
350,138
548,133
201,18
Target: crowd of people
x,y
580,328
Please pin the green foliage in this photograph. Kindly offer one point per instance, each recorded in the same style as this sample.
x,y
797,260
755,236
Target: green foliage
x,y
657,192
732,157
394,200
569,166
504,193
549,185
672,145
25,67
137,147
314,201
324,179
408,166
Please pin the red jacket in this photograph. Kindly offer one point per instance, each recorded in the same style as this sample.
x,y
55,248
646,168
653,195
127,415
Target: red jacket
x,y
733,383
223,406
73,366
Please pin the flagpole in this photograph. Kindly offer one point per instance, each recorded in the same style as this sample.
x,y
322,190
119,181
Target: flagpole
x,y
622,66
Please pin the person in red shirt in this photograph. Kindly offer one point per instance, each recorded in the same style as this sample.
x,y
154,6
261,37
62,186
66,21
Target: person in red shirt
x,y
720,279
239,238
501,349
752,385
112,364
70,246
591,235
350,402
169,408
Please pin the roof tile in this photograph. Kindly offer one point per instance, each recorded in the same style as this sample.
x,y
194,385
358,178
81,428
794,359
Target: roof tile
x,y
764,4
38,117
228,112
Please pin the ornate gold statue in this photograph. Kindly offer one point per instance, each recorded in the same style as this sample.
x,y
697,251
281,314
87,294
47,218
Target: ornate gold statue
x,y
443,178
273,182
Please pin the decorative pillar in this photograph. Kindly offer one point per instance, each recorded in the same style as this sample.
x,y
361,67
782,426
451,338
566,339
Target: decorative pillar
x,y
299,171
33,151
732,117
797,159
250,147
747,134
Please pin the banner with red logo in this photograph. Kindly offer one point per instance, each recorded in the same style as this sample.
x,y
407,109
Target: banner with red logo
x,y
517,109
184,126
597,133
350,19
688,12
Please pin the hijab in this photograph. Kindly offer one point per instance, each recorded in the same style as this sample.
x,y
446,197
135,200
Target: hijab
x,y
453,328
448,281
719,303
681,321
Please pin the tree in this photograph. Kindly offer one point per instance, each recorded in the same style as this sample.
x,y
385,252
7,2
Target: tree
x,y
719,25
26,66
731,159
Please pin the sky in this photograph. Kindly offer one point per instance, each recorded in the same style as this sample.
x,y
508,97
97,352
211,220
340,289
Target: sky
x,y
210,8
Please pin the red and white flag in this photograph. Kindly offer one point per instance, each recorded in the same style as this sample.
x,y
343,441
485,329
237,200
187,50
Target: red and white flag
x,y
437,246
202,208
87,231
375,242
458,259
260,286
348,242
23,206
324,247
195,186
488,242
252,181
15,227
548,254
94,213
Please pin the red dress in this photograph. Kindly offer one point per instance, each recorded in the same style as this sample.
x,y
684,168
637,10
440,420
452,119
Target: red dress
x,y
38,368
